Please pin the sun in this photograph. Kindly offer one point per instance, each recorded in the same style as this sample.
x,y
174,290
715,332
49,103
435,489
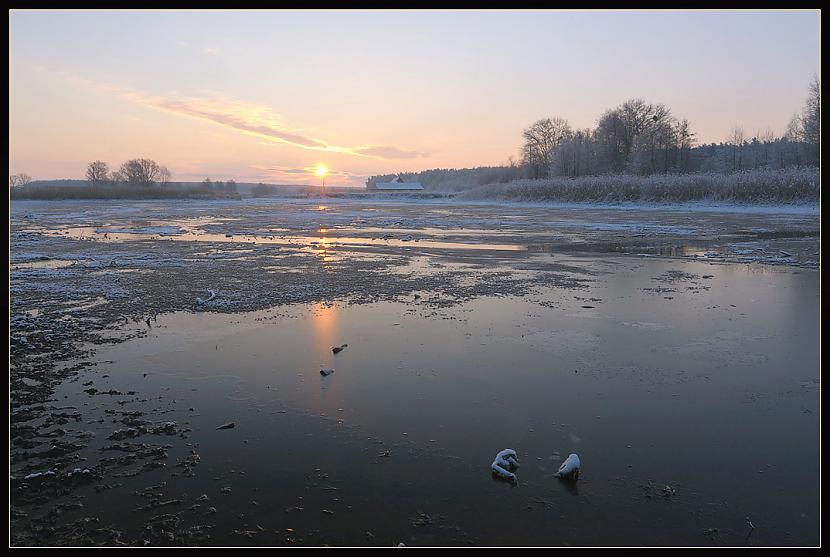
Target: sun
x,y
321,170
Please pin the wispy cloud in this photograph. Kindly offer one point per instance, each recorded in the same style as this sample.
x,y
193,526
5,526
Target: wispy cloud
x,y
382,152
249,118
305,174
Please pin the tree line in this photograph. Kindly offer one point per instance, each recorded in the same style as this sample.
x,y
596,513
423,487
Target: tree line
x,y
218,185
637,138
144,173
134,172
642,138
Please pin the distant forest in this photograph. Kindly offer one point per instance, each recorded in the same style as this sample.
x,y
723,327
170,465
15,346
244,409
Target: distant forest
x,y
638,138
206,189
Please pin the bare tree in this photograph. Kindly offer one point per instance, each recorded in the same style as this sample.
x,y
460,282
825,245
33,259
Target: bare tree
x,y
19,180
638,135
230,185
794,136
116,177
737,139
141,172
97,173
164,176
685,138
540,139
766,137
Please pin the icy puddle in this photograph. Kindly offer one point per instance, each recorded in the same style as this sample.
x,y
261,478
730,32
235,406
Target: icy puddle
x,y
43,264
118,235
689,392
332,242
630,239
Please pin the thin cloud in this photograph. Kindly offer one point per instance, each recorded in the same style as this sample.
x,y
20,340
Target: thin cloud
x,y
382,152
249,118
305,174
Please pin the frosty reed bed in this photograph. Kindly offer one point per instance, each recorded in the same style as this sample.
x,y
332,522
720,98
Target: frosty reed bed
x,y
792,185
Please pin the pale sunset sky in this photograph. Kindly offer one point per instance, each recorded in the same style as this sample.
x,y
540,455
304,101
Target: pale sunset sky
x,y
268,95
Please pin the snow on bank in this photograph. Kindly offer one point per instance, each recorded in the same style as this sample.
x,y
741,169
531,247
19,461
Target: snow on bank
x,y
708,206
805,209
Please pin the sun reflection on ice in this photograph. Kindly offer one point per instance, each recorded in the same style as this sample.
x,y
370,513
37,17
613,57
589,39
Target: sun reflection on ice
x,y
324,326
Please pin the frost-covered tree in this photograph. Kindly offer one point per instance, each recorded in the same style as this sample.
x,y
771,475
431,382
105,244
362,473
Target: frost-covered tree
x,y
576,156
811,121
654,144
634,123
736,140
685,139
540,139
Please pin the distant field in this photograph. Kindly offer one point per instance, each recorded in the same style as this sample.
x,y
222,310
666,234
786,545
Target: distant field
x,y
109,192
80,189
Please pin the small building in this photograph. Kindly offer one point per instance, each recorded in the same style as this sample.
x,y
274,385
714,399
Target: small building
x,y
397,184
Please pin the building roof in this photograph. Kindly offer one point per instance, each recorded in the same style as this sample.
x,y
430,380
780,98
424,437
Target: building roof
x,y
399,186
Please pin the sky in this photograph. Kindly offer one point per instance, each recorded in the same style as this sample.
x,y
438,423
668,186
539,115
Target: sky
x,y
267,96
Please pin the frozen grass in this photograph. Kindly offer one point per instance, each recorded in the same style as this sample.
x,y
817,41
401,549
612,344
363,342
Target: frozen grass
x,y
117,192
791,185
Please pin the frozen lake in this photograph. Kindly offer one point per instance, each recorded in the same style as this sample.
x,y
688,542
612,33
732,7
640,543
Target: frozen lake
x,y
676,352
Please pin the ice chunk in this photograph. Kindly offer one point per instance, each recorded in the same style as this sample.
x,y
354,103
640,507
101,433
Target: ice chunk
x,y
38,475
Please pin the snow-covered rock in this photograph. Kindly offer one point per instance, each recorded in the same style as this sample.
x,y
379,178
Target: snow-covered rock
x,y
505,463
570,468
